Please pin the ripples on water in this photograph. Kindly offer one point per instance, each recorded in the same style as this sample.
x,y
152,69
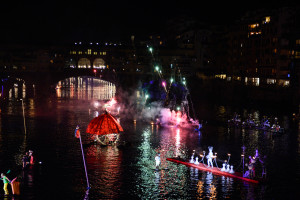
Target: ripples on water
x,y
128,172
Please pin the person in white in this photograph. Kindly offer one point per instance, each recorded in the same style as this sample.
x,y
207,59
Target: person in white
x,y
157,161
210,157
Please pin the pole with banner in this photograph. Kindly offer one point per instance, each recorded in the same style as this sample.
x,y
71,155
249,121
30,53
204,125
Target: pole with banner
x,y
78,135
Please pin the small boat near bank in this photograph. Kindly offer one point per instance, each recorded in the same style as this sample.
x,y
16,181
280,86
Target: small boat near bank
x,y
214,170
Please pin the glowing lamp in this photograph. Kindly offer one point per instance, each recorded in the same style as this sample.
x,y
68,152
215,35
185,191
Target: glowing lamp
x,y
171,80
178,108
163,84
147,96
157,68
150,49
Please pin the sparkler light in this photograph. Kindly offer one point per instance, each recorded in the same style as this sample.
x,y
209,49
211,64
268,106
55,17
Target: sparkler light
x,y
111,102
96,104
178,118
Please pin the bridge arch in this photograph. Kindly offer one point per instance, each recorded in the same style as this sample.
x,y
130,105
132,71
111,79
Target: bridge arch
x,y
84,63
99,63
72,63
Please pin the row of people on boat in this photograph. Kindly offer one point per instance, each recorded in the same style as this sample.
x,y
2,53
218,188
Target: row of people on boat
x,y
210,157
250,122
226,167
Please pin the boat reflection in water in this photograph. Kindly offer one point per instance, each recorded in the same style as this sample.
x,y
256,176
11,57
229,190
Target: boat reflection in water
x,y
105,164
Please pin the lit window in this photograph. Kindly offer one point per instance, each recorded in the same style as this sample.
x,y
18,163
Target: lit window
x,y
298,41
271,81
252,26
267,20
89,51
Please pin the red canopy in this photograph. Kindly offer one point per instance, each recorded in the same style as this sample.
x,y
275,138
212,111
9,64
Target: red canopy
x,y
103,125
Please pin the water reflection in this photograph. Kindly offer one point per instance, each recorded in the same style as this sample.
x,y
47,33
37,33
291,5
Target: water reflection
x,y
85,88
127,172
105,163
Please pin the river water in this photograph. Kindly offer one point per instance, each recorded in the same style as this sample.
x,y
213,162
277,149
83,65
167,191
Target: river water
x,y
127,172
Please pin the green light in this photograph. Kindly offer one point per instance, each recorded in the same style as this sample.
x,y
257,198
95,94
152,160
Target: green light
x,y
146,96
178,108
183,82
157,68
150,49
171,80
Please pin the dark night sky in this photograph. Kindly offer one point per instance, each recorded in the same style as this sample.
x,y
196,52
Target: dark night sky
x,y
61,21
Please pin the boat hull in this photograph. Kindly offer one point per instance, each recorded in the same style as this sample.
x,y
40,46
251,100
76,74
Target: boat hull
x,y
214,170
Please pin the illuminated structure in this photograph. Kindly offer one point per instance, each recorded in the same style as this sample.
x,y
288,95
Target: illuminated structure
x,y
263,48
87,55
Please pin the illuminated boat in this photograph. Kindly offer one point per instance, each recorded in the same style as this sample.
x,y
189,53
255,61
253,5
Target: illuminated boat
x,y
213,170
106,129
169,102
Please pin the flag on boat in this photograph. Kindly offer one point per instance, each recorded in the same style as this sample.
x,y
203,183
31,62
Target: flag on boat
x,y
77,132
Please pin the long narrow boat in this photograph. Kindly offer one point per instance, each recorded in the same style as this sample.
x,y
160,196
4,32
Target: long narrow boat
x,y
214,170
